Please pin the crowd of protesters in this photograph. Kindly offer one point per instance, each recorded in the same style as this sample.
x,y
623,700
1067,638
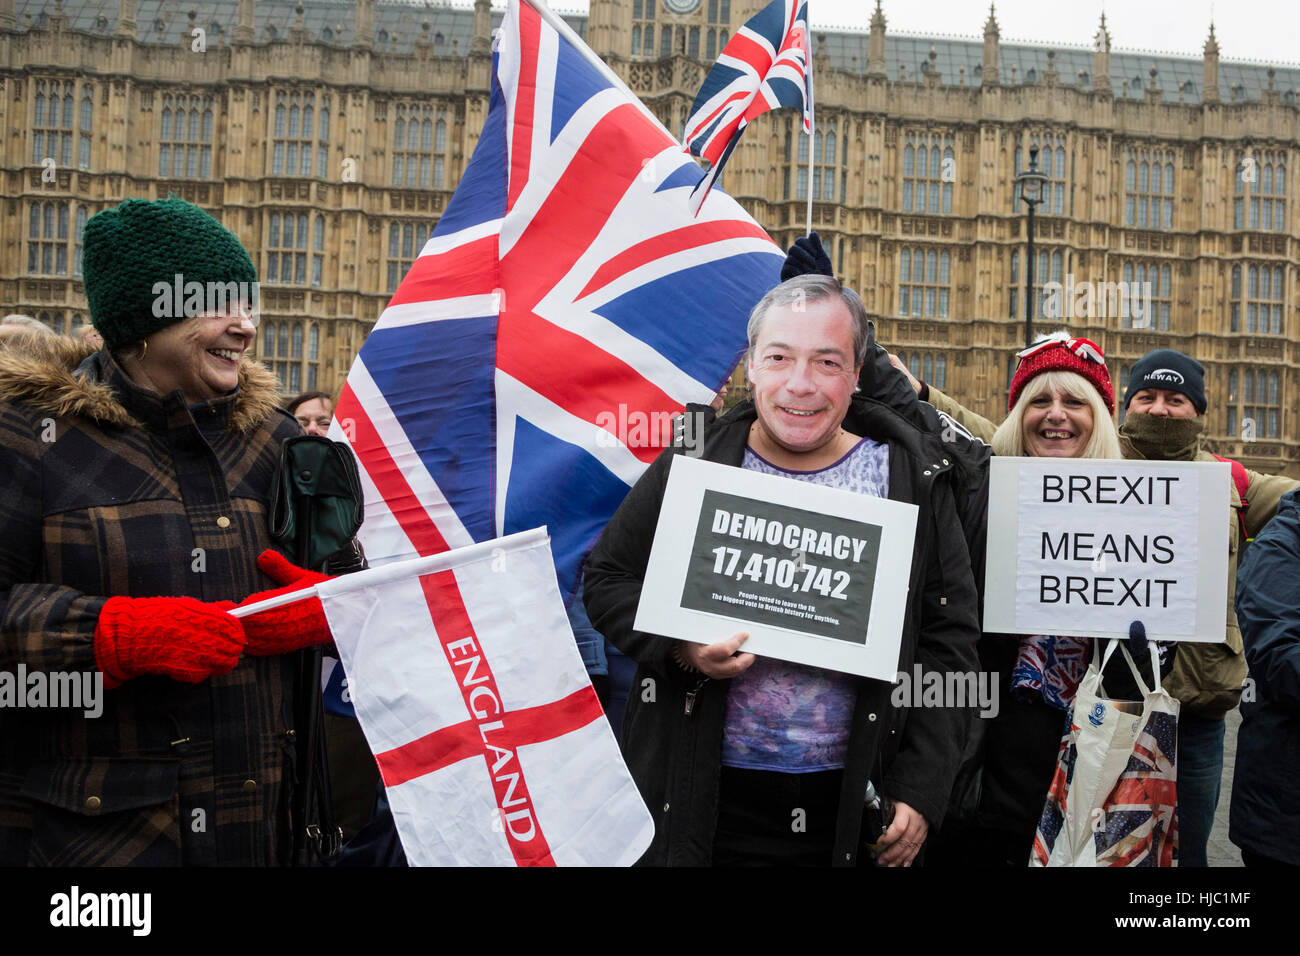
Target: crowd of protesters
x,y
137,459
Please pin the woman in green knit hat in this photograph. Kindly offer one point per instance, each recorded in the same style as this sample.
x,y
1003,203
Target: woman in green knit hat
x,y
133,490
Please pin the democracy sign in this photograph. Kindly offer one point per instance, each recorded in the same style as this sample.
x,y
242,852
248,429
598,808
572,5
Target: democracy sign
x,y
1085,547
814,575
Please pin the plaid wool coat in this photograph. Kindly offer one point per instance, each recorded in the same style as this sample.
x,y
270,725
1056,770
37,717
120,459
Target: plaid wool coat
x,y
106,489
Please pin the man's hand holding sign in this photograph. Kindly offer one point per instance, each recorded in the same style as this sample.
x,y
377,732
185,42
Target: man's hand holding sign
x,y
720,660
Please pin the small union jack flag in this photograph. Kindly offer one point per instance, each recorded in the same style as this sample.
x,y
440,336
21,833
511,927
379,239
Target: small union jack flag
x,y
765,66
566,305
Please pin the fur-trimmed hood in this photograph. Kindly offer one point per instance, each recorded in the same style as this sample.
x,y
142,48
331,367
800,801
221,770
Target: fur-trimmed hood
x,y
46,373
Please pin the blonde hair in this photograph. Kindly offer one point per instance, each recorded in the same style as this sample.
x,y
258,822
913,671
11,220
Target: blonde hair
x,y
1009,439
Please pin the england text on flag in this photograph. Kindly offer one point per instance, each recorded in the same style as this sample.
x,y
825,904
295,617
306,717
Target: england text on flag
x,y
567,278
473,698
765,66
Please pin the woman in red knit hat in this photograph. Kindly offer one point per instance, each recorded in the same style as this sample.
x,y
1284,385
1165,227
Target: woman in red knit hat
x,y
1060,405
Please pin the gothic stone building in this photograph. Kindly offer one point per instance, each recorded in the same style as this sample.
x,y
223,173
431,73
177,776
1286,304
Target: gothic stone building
x,y
330,135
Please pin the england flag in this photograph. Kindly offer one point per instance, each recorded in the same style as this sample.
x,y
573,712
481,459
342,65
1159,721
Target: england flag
x,y
488,735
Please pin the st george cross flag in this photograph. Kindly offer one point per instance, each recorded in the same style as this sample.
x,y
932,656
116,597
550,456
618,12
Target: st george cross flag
x,y
566,300
765,66
475,703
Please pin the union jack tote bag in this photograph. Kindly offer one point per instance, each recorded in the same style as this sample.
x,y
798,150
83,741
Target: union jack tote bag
x,y
1113,800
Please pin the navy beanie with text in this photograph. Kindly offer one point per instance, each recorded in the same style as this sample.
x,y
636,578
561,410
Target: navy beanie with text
x,y
1172,371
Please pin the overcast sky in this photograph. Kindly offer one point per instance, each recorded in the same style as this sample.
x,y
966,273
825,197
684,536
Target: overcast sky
x,y
1266,31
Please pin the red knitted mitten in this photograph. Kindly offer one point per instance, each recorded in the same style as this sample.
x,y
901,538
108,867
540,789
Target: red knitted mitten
x,y
293,626
178,637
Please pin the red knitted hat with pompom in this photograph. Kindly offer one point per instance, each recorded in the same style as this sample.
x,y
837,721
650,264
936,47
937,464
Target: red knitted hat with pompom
x,y
1060,353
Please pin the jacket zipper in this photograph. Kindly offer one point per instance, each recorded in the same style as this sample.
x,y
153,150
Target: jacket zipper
x,y
690,695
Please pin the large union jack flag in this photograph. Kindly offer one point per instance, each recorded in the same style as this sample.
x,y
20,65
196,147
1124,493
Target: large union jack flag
x,y
765,66
566,300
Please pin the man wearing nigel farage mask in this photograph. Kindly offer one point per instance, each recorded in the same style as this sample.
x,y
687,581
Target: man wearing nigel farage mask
x,y
1165,403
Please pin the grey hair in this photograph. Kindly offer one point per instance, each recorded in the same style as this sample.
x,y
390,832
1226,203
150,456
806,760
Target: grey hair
x,y
26,322
807,289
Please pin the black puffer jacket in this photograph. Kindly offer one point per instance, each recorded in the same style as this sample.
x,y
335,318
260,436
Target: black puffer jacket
x,y
673,737
1265,815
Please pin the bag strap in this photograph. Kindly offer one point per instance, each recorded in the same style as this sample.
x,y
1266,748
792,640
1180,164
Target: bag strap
x,y
1242,481
1111,644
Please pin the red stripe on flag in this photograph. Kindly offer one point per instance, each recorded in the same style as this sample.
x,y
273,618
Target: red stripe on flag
x,y
724,134
575,374
442,748
375,458
751,52
579,205
687,237
449,745
521,148
469,269
474,677
703,124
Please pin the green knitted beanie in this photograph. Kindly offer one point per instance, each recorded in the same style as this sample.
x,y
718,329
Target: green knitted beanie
x,y
128,251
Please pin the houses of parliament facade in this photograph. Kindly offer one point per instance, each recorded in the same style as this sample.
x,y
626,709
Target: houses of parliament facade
x,y
330,135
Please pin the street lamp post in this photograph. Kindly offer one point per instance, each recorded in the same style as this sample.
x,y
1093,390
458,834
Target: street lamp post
x,y
1031,191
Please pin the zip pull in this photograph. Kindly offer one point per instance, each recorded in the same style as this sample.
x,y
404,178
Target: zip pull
x,y
690,696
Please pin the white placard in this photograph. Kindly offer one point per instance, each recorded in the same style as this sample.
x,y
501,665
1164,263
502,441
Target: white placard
x,y
1084,547
814,575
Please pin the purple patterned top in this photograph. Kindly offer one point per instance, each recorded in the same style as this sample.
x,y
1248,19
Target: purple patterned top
x,y
790,717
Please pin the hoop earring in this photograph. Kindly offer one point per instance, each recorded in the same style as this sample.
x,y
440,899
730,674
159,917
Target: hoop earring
x,y
144,347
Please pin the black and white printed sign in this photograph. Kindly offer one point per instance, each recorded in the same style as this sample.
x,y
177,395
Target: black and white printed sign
x,y
815,575
773,564
1084,547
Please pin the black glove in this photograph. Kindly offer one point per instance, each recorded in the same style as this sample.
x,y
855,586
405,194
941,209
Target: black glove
x,y
1137,641
806,257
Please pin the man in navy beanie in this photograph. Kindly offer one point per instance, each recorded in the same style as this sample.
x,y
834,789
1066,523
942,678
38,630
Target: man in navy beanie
x,y
1166,404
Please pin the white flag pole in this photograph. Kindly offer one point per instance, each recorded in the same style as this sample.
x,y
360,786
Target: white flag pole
x,y
412,567
812,122
810,181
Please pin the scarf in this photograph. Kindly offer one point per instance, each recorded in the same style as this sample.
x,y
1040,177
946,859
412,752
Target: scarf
x,y
1161,439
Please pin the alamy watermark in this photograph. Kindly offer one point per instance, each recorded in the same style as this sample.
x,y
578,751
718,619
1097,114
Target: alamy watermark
x,y
636,428
179,299
76,908
932,688
1098,300
68,690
